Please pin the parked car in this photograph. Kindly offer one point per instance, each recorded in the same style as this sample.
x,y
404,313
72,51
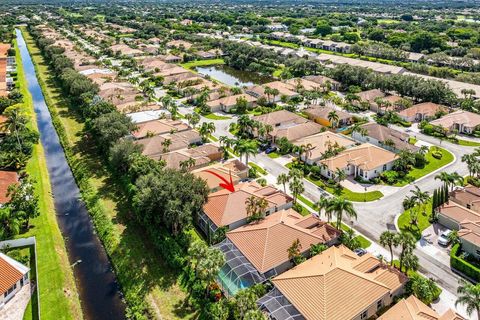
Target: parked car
x,y
443,239
360,252
264,146
270,150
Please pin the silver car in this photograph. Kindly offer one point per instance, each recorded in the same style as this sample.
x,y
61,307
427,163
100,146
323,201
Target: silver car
x,y
443,239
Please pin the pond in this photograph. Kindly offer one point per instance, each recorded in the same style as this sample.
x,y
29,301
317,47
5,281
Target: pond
x,y
233,77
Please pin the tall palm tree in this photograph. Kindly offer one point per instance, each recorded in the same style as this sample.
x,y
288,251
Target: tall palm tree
x,y
296,187
333,118
324,204
340,175
449,179
469,295
340,206
420,197
387,239
407,242
246,148
166,145
206,129
251,205
283,179
469,159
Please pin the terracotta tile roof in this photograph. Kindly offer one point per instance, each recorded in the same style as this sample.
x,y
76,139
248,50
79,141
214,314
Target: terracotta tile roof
x,y
470,231
153,147
234,167
366,156
10,272
283,89
224,207
428,109
304,83
414,309
320,287
231,100
469,194
382,133
458,213
466,118
265,243
7,178
202,155
321,141
321,79
370,95
156,127
317,111
124,49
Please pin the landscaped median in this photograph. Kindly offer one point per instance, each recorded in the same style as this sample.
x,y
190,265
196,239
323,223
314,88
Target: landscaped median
x,y
405,225
346,193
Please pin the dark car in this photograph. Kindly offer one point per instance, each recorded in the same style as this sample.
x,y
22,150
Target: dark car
x,y
360,252
270,150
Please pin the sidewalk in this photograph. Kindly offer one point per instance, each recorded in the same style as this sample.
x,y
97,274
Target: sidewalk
x,y
15,308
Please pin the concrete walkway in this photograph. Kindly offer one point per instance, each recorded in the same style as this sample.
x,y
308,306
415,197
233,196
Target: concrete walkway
x,y
15,308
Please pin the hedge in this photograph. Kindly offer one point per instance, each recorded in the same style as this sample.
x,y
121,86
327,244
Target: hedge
x,y
463,266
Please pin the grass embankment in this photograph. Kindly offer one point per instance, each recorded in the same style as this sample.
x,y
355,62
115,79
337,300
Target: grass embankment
x,y
404,221
202,63
257,168
346,193
140,271
468,143
432,165
58,294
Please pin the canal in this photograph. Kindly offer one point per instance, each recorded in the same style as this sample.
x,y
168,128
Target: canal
x,y
233,77
99,293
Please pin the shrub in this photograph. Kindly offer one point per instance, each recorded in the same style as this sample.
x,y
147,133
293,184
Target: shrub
x,y
437,155
457,263
390,176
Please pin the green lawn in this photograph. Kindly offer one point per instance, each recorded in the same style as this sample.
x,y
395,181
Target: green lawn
x,y
257,168
348,194
468,143
432,165
140,270
58,294
307,202
404,221
274,155
202,63
387,21
364,242
282,44
213,116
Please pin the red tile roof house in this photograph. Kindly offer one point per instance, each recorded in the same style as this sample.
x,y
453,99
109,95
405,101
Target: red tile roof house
x,y
462,121
259,250
13,276
7,178
228,209
422,111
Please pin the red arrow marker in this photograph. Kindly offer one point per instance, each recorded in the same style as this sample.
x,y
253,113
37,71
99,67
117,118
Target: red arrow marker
x,y
226,184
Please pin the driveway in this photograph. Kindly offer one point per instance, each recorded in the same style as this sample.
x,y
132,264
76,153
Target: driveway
x,y
15,308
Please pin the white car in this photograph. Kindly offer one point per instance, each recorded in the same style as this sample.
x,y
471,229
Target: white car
x,y
443,239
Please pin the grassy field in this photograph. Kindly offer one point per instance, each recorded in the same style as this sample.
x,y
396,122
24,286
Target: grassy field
x,y
257,168
432,165
468,143
58,294
213,116
202,63
423,223
348,194
139,269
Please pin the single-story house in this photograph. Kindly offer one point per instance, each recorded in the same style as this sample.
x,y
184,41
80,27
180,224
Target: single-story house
x,y
469,235
461,121
320,143
227,103
319,114
390,101
370,96
149,115
284,90
154,147
385,137
125,50
469,197
234,169
412,308
422,111
14,276
324,82
202,156
259,250
7,178
179,44
158,127
228,209
366,161
350,287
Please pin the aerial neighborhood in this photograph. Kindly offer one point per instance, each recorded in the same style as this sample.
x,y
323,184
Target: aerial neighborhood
x,y
240,160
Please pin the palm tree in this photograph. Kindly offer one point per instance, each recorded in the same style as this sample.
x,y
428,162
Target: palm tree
x,y
251,205
15,124
469,295
206,129
387,239
246,148
410,261
333,118
193,119
307,149
420,197
341,206
389,143
469,159
449,179
166,144
407,242
283,179
324,204
339,175
296,187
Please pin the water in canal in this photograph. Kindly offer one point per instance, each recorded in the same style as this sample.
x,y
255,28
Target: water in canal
x,y
233,77
98,290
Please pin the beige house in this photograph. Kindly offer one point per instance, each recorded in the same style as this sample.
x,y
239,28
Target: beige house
x,y
264,245
324,82
228,209
125,50
287,124
13,277
320,114
369,96
157,127
321,143
385,137
284,90
227,103
154,147
422,111
461,121
334,285
414,309
468,197
234,169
